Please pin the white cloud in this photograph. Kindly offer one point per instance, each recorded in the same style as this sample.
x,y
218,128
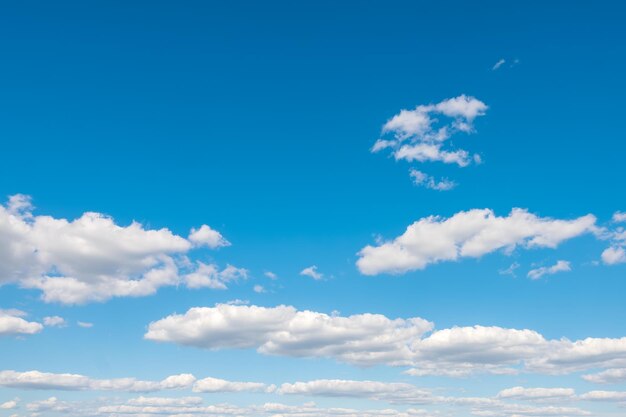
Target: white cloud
x,y
619,396
359,339
472,234
75,382
9,405
609,376
205,236
208,276
538,394
371,339
498,64
424,180
220,385
90,258
510,270
619,217
311,271
614,255
54,321
12,324
560,266
420,134
84,324
259,289
270,275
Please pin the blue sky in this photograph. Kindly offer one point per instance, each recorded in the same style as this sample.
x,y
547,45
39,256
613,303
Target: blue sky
x,y
260,121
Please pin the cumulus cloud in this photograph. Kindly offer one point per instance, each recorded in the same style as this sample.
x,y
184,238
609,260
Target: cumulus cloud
x,y
205,236
609,396
76,382
428,181
9,405
12,323
259,289
614,255
283,330
420,135
468,234
312,272
619,217
209,276
92,258
372,339
560,266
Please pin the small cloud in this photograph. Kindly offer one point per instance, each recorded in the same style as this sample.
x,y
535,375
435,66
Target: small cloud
x,y
498,64
614,255
424,180
312,272
259,289
85,324
560,266
237,302
619,217
270,275
510,270
9,405
205,236
54,321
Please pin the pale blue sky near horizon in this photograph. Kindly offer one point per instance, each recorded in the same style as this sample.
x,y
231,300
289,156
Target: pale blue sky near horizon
x,y
258,119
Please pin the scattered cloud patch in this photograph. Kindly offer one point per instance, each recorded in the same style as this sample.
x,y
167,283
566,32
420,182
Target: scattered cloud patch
x,y
312,272
609,376
84,324
54,321
205,236
560,266
424,180
498,64
421,134
12,323
259,289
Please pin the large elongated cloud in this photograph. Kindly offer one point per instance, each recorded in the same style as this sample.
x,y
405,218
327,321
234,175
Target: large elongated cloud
x,y
371,339
92,258
468,234
283,330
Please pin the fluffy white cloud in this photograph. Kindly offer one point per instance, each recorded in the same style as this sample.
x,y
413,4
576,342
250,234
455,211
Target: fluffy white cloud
x,y
75,382
421,134
428,181
54,321
12,323
609,376
311,271
282,330
91,258
560,266
614,255
205,236
472,233
221,385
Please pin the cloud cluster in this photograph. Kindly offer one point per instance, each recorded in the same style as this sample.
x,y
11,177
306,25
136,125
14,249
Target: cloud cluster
x,y
92,258
372,339
420,135
616,253
468,234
